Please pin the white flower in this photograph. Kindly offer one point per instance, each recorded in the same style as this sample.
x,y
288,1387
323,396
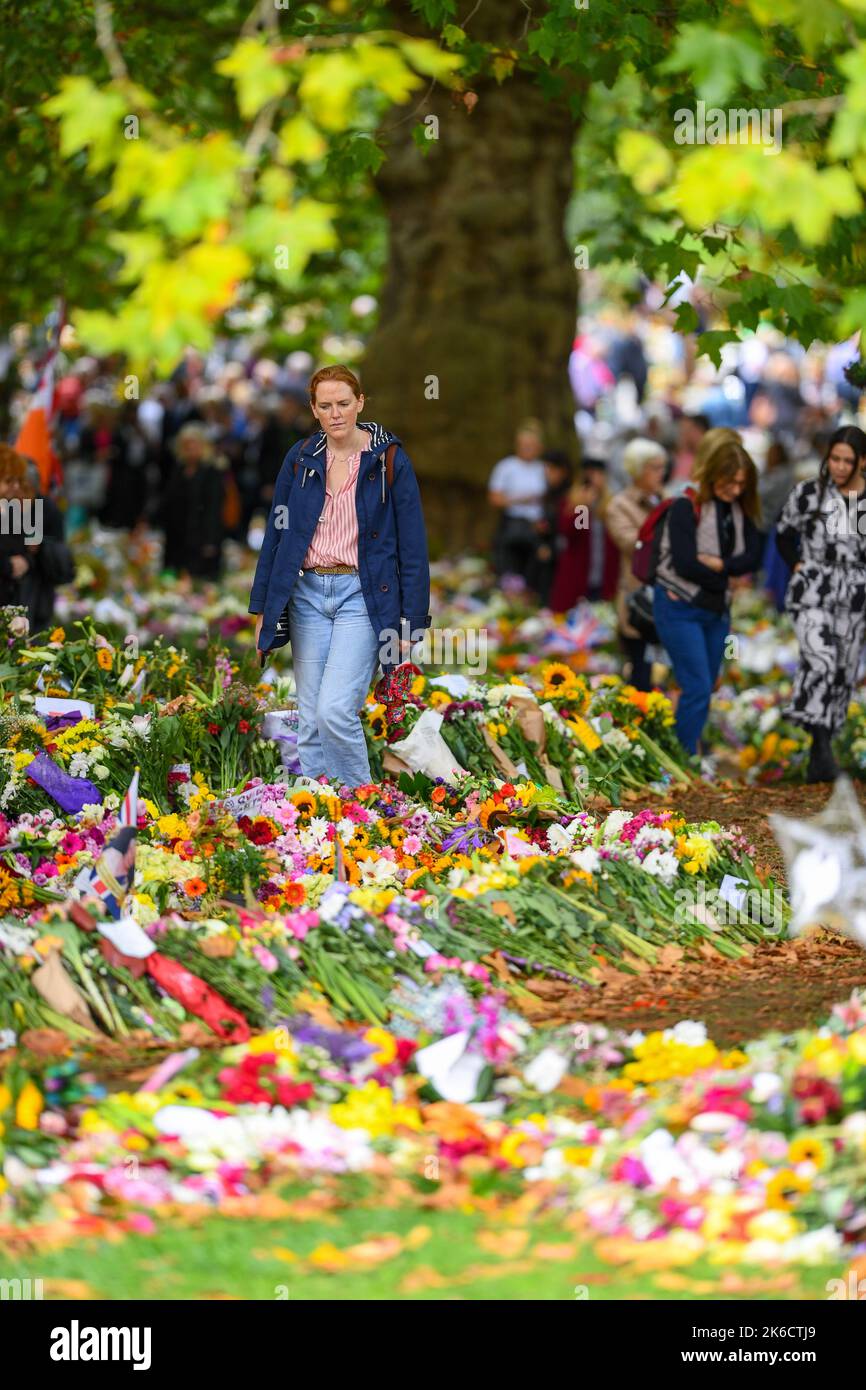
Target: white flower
x,y
614,824
586,859
545,1071
652,836
616,739
662,864
561,837
769,719
766,1084
101,771
141,724
687,1033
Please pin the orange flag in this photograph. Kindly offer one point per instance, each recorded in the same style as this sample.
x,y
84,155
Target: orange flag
x,y
34,437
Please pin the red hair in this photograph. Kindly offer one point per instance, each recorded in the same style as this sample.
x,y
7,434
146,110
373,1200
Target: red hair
x,y
337,373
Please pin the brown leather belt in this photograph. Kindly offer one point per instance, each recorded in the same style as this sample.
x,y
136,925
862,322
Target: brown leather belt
x,y
331,569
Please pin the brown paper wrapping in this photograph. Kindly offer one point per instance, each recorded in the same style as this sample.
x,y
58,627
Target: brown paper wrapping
x,y
530,721
52,981
500,756
392,763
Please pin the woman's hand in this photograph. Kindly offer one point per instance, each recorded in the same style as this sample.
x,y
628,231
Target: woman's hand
x,y
712,562
259,620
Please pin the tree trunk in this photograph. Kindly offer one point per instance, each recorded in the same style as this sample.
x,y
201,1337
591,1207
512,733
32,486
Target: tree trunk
x,y
478,309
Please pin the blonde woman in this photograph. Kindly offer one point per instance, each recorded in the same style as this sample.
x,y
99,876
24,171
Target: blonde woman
x,y
707,538
645,462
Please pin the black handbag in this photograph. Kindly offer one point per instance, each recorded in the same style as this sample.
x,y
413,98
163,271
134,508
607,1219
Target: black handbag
x,y
640,613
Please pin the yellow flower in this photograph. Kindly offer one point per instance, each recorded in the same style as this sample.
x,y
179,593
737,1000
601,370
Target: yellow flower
x,y
585,733
510,1147
136,1142
58,635
418,684
557,678
748,756
91,1122
579,1155
808,1150
440,698
5,1098
371,1108
772,1225
784,1188
386,1044
857,1046
105,658
29,1106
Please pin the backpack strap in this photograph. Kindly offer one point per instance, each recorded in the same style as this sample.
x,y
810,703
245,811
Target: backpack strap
x,y
390,455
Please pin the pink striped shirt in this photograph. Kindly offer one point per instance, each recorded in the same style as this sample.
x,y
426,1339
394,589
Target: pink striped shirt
x,y
335,541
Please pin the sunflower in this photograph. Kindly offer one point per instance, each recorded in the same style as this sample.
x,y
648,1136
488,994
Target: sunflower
x,y
398,835
378,726
304,801
492,813
439,699
360,839
784,1188
808,1150
557,678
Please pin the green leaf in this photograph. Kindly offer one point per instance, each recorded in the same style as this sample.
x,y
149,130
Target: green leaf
x,y
644,159
428,58
90,118
300,141
713,341
718,62
258,76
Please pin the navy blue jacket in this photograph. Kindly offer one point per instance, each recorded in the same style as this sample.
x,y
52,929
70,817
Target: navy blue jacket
x,y
393,563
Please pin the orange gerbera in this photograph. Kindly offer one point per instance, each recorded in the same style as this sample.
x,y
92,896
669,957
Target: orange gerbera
x,y
195,887
294,894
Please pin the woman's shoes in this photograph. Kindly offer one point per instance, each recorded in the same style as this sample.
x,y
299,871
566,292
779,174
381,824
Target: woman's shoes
x,y
822,765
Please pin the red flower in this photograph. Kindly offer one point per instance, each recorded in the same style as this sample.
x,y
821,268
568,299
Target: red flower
x,y
507,789
292,1092
243,726
213,728
261,832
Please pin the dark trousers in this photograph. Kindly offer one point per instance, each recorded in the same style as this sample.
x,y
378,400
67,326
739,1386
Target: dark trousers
x,y
635,653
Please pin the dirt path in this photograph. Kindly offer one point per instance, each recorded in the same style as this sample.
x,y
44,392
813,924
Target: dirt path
x,y
780,987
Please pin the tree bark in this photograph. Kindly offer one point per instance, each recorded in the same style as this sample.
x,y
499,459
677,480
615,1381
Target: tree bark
x,y
478,309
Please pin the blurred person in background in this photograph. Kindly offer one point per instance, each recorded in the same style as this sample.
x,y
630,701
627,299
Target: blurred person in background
x,y
517,487
705,541
128,458
588,562
774,487
193,504
559,473
821,534
645,461
31,568
690,431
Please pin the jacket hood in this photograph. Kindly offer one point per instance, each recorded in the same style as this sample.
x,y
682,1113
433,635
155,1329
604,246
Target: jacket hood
x,y
380,438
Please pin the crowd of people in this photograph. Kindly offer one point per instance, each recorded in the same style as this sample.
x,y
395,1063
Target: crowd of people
x,y
745,476
729,476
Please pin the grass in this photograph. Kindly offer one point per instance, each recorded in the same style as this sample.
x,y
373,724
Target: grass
x,y
222,1257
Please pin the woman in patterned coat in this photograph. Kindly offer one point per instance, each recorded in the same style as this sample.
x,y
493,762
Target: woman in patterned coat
x,y
822,535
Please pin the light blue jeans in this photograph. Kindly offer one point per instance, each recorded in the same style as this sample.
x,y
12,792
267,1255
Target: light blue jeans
x,y
335,653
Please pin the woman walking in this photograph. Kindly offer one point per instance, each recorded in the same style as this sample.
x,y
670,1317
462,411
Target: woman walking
x,y
343,572
645,462
821,533
588,564
707,538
